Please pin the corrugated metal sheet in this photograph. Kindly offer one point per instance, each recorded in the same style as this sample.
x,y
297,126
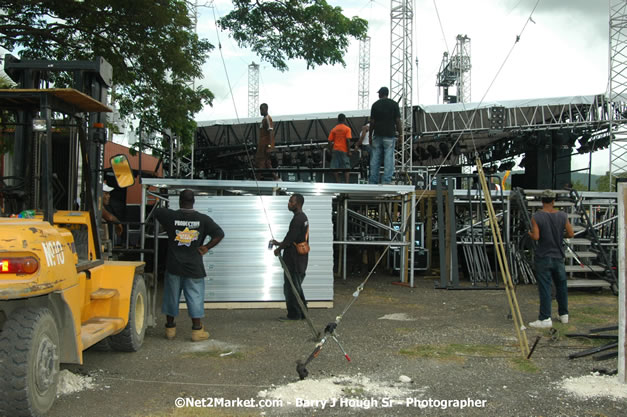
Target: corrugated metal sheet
x,y
241,268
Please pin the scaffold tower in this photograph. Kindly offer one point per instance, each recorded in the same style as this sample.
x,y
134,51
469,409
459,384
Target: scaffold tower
x,y
618,90
253,90
455,71
363,91
402,16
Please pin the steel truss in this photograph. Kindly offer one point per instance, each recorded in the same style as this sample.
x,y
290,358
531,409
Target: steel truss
x,y
363,92
456,71
253,90
401,70
618,89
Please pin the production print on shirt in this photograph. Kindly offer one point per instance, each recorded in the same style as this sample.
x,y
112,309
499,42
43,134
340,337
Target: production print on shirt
x,y
187,230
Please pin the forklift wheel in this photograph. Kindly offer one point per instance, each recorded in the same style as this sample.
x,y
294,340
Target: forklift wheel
x,y
131,338
29,359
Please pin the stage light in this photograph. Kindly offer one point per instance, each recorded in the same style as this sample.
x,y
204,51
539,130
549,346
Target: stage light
x,y
302,157
433,151
274,161
585,137
316,157
444,148
523,161
287,158
457,149
506,166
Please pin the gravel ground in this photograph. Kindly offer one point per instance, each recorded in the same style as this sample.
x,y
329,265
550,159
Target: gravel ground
x,y
453,345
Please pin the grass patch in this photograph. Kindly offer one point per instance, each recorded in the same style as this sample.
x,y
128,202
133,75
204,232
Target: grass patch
x,y
200,412
354,391
404,330
459,353
452,352
524,365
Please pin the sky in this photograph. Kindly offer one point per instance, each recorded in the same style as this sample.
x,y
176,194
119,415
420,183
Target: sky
x,y
565,52
562,51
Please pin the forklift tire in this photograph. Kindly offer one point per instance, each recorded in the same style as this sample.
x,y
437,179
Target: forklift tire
x,y
29,360
131,338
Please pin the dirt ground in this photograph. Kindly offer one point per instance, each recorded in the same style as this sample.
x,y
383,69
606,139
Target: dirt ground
x,y
454,345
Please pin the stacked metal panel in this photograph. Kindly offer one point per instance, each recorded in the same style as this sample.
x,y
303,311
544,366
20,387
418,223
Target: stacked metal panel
x,y
242,268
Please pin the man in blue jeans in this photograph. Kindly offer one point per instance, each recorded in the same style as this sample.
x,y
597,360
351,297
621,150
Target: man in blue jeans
x,y
385,116
185,270
547,227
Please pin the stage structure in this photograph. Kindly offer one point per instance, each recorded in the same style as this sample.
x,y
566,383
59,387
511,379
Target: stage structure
x,y
244,208
455,71
500,131
363,92
401,71
253,90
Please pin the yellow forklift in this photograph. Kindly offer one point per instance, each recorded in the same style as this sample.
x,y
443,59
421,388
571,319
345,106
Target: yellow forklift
x,y
59,294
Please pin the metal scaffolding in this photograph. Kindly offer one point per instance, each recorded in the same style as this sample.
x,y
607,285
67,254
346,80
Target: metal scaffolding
x,y
363,93
253,90
618,90
455,71
401,70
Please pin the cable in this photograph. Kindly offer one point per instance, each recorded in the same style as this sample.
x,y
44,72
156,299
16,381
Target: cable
x,y
248,157
437,13
360,287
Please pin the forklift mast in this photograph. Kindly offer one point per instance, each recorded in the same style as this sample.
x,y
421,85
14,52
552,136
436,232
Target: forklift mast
x,y
92,78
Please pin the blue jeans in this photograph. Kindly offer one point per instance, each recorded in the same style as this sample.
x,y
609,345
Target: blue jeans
x,y
547,270
192,288
382,147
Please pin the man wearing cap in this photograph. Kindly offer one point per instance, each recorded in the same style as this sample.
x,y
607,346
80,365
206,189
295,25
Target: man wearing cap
x,y
187,230
107,215
549,227
385,116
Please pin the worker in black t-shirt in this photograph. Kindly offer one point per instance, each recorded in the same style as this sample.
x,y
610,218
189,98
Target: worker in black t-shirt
x,y
296,263
385,121
185,270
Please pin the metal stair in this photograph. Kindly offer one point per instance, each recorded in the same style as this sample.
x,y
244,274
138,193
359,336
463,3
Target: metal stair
x,y
599,266
589,265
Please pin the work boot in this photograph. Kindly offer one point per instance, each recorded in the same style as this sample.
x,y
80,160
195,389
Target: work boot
x,y
200,334
170,333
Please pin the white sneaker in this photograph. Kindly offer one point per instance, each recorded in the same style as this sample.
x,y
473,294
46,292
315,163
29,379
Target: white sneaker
x,y
563,318
542,324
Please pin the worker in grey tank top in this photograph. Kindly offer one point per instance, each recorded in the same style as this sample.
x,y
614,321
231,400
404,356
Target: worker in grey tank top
x,y
549,227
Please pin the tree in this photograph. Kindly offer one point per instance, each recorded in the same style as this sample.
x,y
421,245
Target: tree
x,y
579,186
154,51
308,29
603,183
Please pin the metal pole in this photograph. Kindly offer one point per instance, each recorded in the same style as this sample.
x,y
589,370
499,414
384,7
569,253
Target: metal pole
x,y
412,245
142,228
622,299
345,238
